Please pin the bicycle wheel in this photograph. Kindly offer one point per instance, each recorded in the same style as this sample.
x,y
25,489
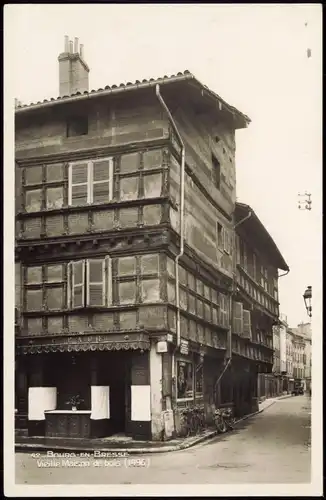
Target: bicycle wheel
x,y
221,427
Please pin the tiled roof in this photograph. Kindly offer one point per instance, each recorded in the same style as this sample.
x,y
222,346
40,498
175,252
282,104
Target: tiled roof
x,y
243,210
122,87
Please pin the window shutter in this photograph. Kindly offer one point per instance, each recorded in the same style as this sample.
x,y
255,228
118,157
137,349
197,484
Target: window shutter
x,y
237,243
78,283
225,239
102,180
95,282
238,318
69,285
108,281
247,323
78,184
223,310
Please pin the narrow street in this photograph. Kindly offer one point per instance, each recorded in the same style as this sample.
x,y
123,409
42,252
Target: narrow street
x,y
272,447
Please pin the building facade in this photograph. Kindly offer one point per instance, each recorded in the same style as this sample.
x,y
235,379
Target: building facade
x,y
289,359
124,259
302,347
257,263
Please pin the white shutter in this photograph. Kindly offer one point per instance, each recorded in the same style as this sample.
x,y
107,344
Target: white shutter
x,y
102,180
69,285
246,323
238,318
223,309
225,239
78,284
78,192
95,282
108,281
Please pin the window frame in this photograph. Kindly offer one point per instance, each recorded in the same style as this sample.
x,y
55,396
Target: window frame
x,y
90,180
191,362
107,285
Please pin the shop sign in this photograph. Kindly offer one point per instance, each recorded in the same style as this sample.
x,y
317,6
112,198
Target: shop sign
x,y
184,347
162,346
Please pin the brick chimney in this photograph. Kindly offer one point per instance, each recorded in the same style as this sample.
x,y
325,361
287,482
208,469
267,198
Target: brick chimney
x,y
73,71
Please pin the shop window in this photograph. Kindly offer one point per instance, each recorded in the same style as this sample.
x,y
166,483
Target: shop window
x,y
185,380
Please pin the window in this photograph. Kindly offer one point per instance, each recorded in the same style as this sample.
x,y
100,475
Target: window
x,y
45,288
223,310
227,241
220,236
216,172
77,126
90,283
246,323
90,182
137,279
199,378
185,381
238,318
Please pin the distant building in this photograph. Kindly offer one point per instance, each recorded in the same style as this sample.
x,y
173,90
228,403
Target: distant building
x,y
302,348
279,344
289,359
256,306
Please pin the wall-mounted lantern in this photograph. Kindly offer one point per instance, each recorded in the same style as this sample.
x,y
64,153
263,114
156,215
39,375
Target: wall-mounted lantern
x,y
307,300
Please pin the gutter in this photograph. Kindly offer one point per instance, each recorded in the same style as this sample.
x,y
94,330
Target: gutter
x,y
284,274
181,214
101,92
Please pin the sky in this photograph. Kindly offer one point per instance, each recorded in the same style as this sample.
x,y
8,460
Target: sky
x,y
253,56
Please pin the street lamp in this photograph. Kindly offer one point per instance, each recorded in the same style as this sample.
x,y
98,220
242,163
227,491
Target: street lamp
x,y
307,300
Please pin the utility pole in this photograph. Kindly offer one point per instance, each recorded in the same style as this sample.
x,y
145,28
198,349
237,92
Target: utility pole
x,y
304,204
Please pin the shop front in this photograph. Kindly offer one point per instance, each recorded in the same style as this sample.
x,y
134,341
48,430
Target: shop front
x,y
86,390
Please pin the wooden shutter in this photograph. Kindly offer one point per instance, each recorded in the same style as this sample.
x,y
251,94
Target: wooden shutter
x,y
78,193
238,318
78,284
102,180
95,282
219,235
69,285
237,248
108,281
247,323
226,242
223,310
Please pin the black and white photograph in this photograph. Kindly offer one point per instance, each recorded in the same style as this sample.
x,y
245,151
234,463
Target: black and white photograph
x,y
163,250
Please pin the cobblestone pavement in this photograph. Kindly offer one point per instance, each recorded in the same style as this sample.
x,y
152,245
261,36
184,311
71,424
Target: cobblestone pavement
x,y
271,447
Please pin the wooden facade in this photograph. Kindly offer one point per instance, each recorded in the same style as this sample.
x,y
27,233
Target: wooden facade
x,y
97,234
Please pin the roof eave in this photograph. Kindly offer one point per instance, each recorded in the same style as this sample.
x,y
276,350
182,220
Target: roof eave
x,y
240,119
278,256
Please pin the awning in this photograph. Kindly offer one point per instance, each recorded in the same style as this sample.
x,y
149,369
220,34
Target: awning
x,y
79,343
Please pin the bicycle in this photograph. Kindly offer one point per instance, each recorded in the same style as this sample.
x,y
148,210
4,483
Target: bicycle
x,y
199,418
187,420
224,419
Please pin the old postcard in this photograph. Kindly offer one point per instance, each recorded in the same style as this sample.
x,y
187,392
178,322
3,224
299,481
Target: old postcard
x,y
162,244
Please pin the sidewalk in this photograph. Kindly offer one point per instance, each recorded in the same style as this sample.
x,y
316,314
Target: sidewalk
x,y
117,444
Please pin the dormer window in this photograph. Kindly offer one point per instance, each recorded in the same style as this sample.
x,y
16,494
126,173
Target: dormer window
x,y
77,125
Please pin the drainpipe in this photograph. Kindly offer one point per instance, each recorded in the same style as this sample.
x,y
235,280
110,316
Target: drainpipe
x,y
181,214
284,274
